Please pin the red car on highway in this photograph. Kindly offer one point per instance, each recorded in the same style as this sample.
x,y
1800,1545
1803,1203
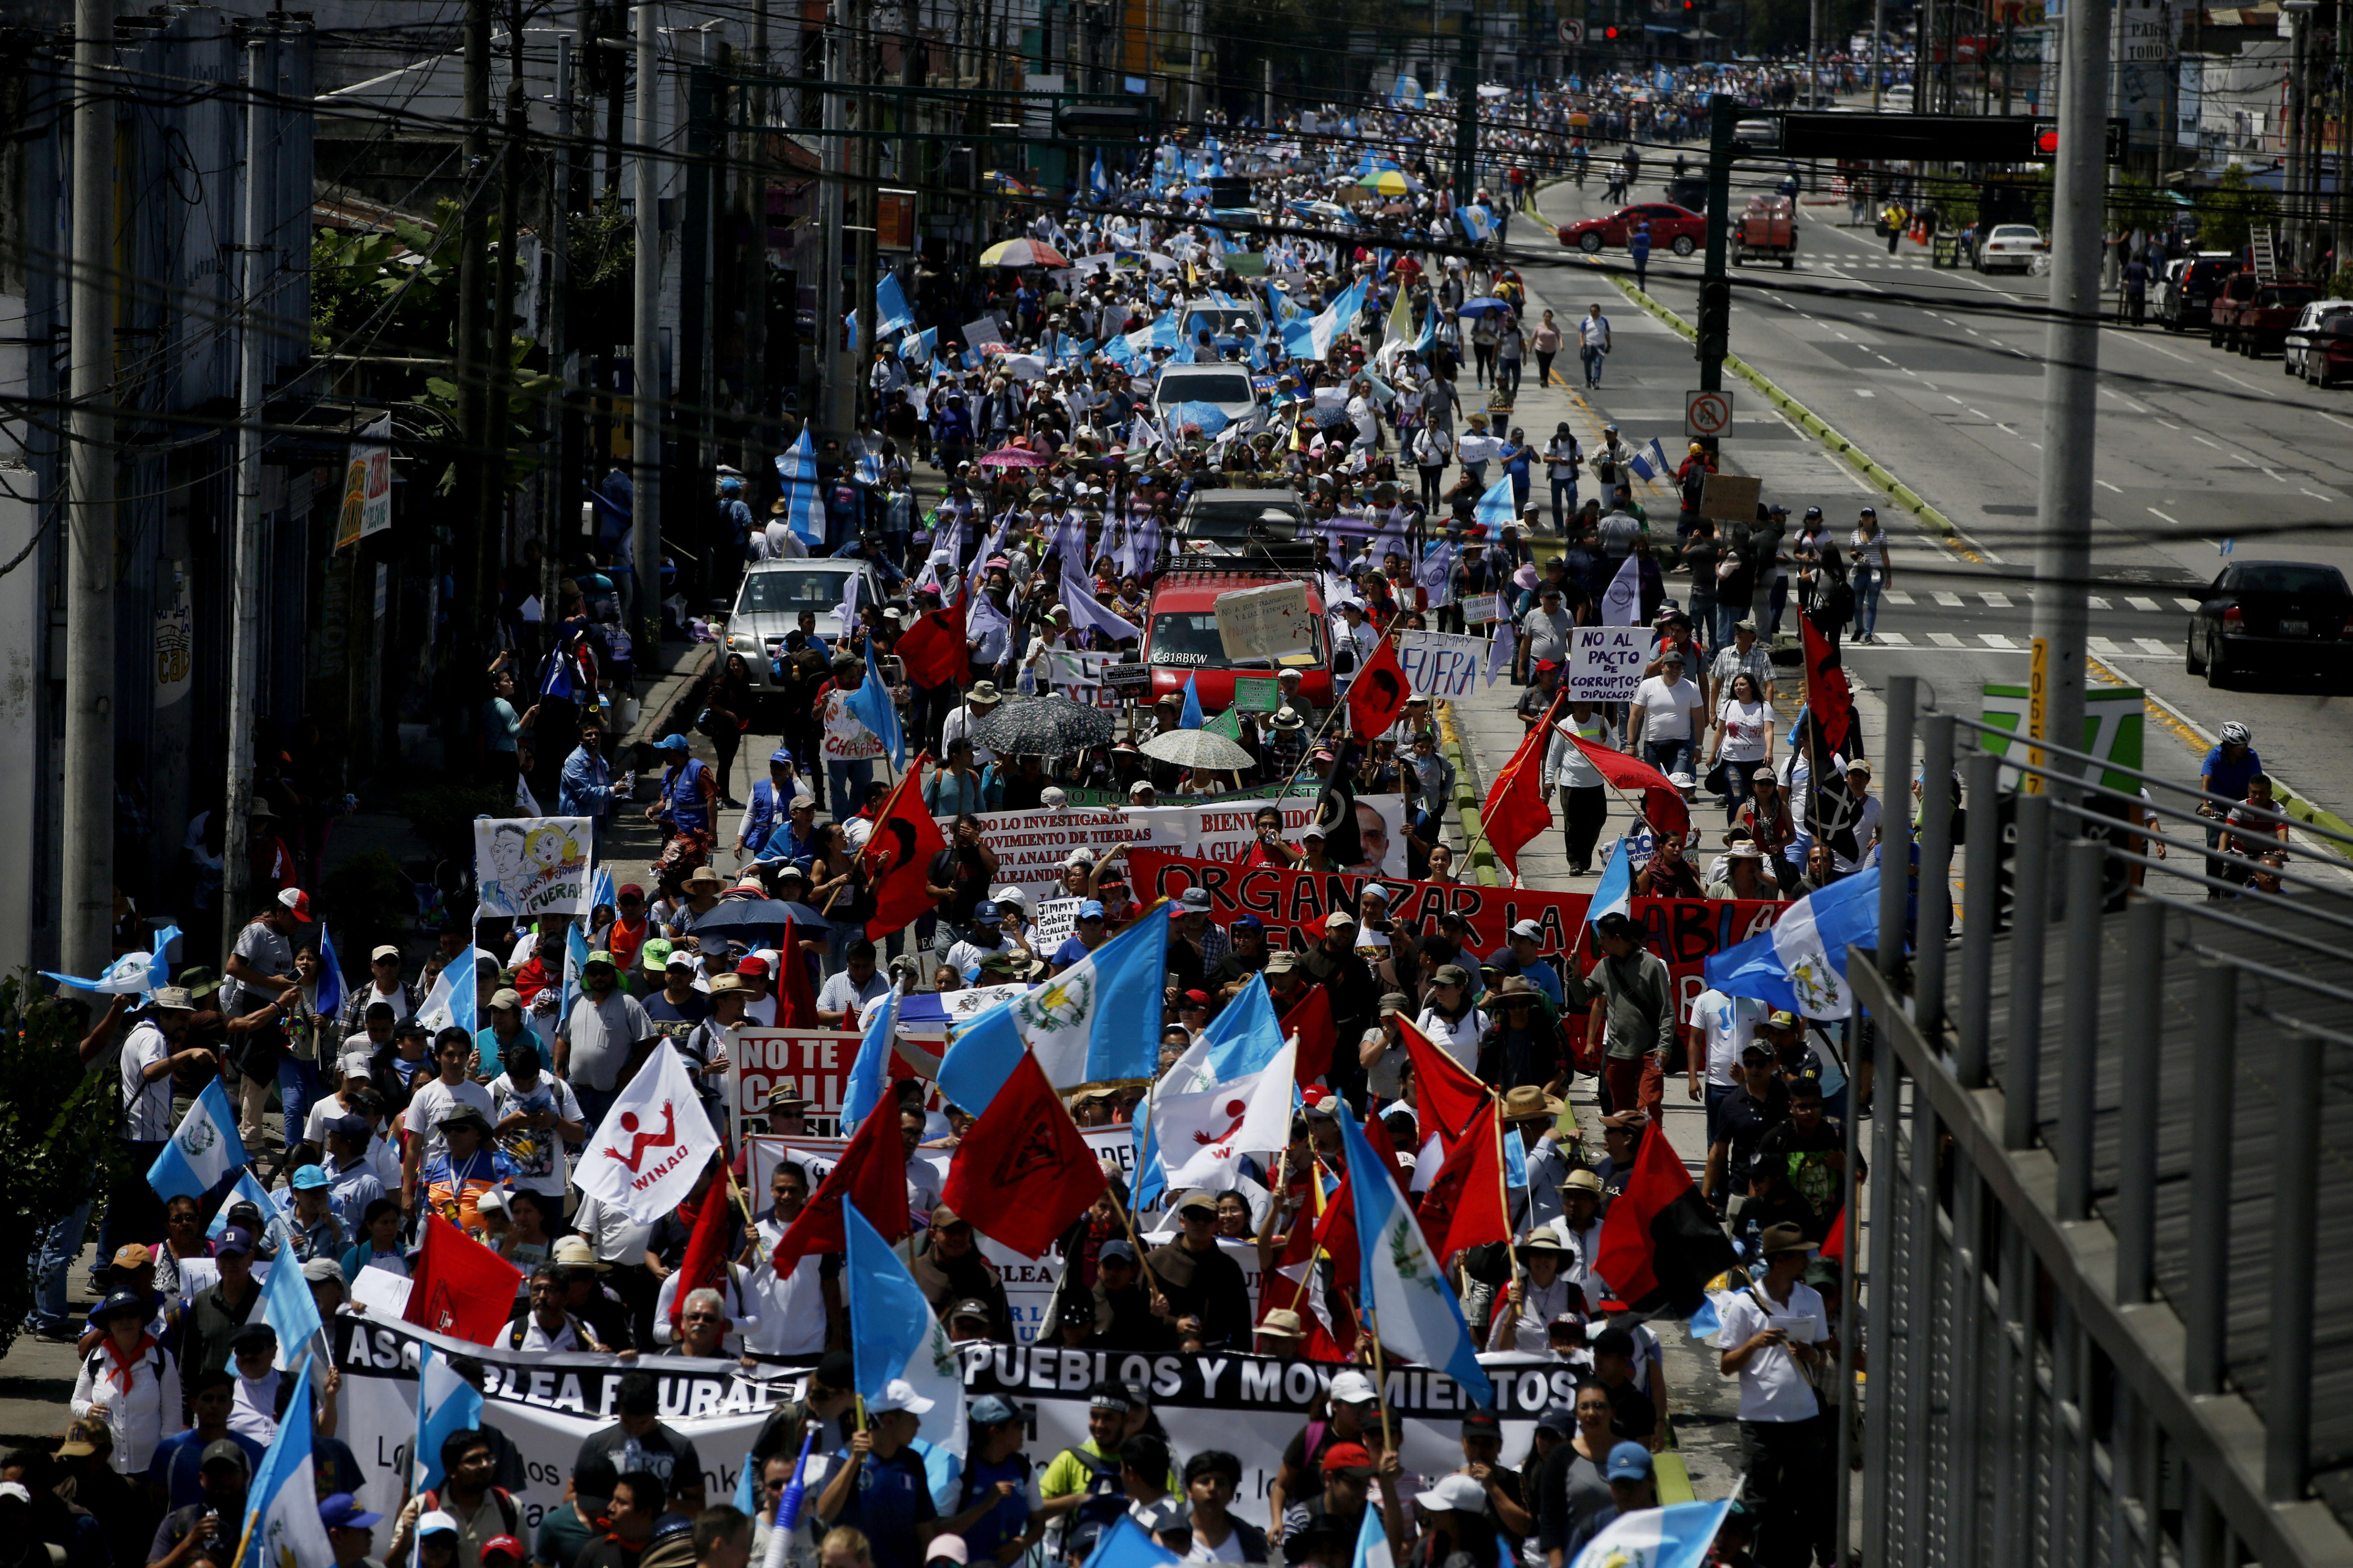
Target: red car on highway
x,y
1675,228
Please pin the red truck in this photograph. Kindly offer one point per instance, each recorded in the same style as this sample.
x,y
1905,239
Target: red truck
x,y
1767,231
2254,318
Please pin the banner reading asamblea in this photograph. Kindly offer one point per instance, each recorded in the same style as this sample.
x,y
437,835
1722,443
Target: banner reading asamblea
x,y
1684,932
1248,1406
1031,846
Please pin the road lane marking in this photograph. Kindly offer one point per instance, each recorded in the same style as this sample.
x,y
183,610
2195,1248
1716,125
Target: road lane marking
x,y
2152,647
2161,517
2318,496
2095,602
2216,445
1995,639
2188,605
1998,601
2105,486
2103,646
1859,391
1893,639
1945,639
1949,600
2249,386
1895,596
2138,603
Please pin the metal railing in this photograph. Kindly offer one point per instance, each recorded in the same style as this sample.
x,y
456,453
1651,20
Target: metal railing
x,y
2052,1371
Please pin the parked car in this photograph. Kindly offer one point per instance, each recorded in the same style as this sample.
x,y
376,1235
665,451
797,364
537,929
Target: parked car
x,y
2187,296
769,602
2328,351
1232,327
2301,336
1226,388
1259,526
1756,133
2291,617
2013,246
1675,228
2252,317
1181,641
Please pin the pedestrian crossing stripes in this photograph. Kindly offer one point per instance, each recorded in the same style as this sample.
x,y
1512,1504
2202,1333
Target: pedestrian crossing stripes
x,y
1996,599
2141,648
2139,603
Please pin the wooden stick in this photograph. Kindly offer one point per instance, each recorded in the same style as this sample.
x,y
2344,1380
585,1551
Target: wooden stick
x,y
1380,1380
1503,1192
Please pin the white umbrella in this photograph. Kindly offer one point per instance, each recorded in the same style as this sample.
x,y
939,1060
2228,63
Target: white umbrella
x,y
1201,749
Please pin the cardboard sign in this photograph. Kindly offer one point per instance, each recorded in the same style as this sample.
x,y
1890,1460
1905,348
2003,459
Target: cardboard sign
x,y
1256,694
816,1060
1479,609
1605,663
1272,622
525,867
1730,498
1058,919
1441,665
1031,846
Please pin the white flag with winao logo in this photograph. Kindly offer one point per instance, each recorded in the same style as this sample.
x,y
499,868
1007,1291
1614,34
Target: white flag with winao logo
x,y
1202,1136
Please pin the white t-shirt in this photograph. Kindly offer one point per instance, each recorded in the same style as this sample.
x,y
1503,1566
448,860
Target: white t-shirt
x,y
1666,712
435,1099
1773,1387
1728,1024
791,1309
1747,732
542,1162
1457,1037
146,1107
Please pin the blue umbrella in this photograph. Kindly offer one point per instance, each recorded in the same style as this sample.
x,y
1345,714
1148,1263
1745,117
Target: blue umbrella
x,y
1481,306
1205,415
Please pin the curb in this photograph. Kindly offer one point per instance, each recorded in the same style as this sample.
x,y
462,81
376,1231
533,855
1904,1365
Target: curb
x,y
1466,801
676,714
1804,418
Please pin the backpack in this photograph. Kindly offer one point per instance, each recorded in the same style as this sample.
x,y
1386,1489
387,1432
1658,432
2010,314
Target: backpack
x,y
509,1513
1106,1502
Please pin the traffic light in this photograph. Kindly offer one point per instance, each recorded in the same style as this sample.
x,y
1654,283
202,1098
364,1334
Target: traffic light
x,y
1610,32
1714,318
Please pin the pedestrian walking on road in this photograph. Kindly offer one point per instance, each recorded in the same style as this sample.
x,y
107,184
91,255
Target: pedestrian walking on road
x,y
1545,341
1871,573
1638,246
1593,343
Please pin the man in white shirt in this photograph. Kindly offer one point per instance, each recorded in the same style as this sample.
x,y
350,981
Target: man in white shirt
x,y
1666,717
1775,1332
796,1312
1593,343
434,1102
979,702
1718,1028
149,1054
843,997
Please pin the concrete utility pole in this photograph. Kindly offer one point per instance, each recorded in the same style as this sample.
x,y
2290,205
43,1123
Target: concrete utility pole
x,y
644,358
2343,240
475,443
2062,549
85,900
244,626
837,407
558,232
1466,110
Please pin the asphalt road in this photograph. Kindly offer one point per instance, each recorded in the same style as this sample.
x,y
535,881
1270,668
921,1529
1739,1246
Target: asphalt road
x,y
1938,376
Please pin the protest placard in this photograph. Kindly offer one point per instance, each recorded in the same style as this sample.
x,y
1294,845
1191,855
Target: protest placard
x,y
1272,622
1605,663
525,867
1440,665
1031,846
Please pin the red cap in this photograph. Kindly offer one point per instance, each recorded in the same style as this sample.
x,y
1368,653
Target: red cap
x,y
629,888
1199,998
296,902
758,966
506,1543
1343,1456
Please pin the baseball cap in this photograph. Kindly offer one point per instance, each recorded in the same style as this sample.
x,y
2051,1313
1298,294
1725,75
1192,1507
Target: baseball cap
x,y
987,909
1092,909
439,1522
236,1241
296,902
1194,898
993,1410
899,1395
947,1549
118,1302
355,1127
1353,1388
309,1179
1628,1462
1560,1418
502,1546
385,949
133,1254
671,743
321,1270
14,1490
91,1435
507,996
1528,929
343,1511
1112,1251
1456,1494
970,1307
1347,1456
223,1451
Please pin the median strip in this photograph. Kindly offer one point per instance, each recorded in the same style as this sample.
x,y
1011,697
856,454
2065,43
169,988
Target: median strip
x,y
1804,418
1481,859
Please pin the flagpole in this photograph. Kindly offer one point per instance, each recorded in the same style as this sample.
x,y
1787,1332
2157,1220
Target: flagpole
x,y
1381,1379
1544,727
1503,1192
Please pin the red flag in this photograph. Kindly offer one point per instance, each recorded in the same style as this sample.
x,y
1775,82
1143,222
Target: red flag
x,y
1662,803
1376,695
873,1175
1310,1019
1516,810
796,997
1022,1172
1465,1205
1446,1093
1828,701
1659,1245
935,650
898,857
461,1288
1834,1244
705,1263
1376,1135
1335,1233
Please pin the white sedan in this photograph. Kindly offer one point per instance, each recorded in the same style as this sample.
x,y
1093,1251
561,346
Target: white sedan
x,y
2011,244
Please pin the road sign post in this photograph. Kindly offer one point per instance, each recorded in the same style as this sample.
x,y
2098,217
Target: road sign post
x,y
1715,291
1707,415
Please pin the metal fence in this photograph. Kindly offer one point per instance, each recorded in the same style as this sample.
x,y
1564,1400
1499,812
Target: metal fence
x,y
2095,1309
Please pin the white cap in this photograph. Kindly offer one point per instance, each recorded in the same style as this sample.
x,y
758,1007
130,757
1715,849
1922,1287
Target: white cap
x,y
1456,1493
899,1395
1353,1388
15,1489
436,1522
1528,929
1009,894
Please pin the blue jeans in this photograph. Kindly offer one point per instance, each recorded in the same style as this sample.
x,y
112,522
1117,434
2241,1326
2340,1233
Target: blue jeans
x,y
845,785
1563,488
1592,357
596,1104
59,1246
1866,600
1717,1093
299,1087
1727,612
1667,756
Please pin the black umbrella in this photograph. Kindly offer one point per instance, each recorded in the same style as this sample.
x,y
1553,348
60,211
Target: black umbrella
x,y
1049,726
756,914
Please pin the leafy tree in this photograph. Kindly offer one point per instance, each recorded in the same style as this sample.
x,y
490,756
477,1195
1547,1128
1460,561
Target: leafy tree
x,y
2228,214
56,1132
517,436
392,284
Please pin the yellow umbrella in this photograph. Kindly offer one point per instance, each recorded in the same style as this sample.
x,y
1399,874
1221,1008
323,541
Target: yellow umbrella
x,y
1389,183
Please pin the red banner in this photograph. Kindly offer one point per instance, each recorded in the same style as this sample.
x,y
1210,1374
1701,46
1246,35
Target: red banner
x,y
1684,932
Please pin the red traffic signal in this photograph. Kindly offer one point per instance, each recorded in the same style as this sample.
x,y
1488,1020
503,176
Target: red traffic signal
x,y
2046,142
1608,32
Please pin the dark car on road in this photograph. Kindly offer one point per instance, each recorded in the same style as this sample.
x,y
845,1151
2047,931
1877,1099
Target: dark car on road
x,y
2281,617
2252,319
2190,285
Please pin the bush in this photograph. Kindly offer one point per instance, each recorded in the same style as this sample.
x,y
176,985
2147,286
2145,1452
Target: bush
x,y
56,1132
2228,214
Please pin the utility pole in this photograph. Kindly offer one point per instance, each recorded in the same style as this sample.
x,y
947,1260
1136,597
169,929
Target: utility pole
x,y
1466,108
561,509
87,897
244,626
499,334
474,441
1878,29
836,405
645,368
2343,240
2063,550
